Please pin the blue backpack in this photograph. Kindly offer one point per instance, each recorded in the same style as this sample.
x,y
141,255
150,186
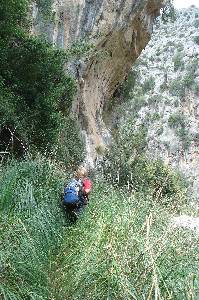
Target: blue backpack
x,y
71,193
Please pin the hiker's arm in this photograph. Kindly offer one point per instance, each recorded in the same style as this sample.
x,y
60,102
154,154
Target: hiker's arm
x,y
87,191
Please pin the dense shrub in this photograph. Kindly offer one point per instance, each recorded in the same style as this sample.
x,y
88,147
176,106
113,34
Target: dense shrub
x,y
154,99
32,74
129,84
177,88
196,39
13,16
196,88
45,6
168,13
70,147
178,62
126,165
148,84
35,91
176,120
196,23
188,80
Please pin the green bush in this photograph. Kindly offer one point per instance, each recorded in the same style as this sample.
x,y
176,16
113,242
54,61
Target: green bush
x,y
178,62
154,99
45,6
196,39
160,130
177,88
126,165
13,16
189,77
129,84
192,66
70,147
184,136
188,80
137,102
196,24
180,47
32,72
168,13
148,84
176,120
196,88
35,90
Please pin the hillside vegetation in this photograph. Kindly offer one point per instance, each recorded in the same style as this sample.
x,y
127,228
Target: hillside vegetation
x,y
125,245
162,96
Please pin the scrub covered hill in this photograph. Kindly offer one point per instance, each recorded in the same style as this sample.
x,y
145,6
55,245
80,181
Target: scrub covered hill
x,y
162,96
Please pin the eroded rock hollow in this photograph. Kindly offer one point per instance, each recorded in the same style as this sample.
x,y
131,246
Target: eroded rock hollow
x,y
119,30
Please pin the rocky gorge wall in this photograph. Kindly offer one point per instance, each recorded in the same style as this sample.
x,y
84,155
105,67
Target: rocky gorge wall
x,y
117,29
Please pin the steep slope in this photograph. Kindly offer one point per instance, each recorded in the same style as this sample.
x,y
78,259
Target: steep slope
x,y
118,30
164,94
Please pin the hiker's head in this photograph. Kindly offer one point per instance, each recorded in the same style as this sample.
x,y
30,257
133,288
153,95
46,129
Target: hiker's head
x,y
81,172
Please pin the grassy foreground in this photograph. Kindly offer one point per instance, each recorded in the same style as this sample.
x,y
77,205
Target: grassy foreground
x,y
31,230
122,247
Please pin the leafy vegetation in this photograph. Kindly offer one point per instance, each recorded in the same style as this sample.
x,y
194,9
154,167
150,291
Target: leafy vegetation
x,y
178,122
36,92
168,12
32,73
70,148
148,84
196,39
196,23
45,6
178,61
177,87
126,165
129,84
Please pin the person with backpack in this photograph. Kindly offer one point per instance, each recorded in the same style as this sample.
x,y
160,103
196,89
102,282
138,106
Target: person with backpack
x,y
76,193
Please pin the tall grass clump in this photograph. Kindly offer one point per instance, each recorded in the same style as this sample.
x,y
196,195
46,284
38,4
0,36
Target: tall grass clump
x,y
31,225
126,248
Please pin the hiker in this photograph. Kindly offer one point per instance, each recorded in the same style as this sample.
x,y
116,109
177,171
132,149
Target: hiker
x,y
76,193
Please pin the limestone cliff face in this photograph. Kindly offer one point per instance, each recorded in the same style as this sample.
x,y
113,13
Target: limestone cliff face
x,y
119,29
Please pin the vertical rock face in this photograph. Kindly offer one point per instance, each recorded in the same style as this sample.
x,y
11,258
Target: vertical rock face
x,y
119,30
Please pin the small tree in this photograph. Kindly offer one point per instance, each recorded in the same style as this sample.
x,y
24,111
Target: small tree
x,y
196,39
